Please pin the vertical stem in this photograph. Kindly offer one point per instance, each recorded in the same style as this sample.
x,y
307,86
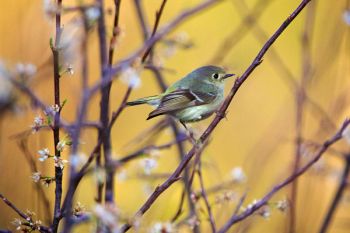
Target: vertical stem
x,y
56,130
300,107
205,197
337,197
142,19
104,133
74,177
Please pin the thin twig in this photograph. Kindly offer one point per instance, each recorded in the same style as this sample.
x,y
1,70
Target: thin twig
x,y
104,134
146,150
121,107
337,198
23,146
155,27
74,182
282,67
263,201
205,197
56,130
21,213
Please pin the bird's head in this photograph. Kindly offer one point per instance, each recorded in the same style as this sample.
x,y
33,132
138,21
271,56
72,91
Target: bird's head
x,y
212,74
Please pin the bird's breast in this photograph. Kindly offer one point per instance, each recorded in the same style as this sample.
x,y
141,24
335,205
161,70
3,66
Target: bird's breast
x,y
200,112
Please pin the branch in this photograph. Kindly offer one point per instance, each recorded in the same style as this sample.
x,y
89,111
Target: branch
x,y
205,197
155,27
122,106
263,201
146,150
337,197
258,59
56,129
278,62
150,42
20,213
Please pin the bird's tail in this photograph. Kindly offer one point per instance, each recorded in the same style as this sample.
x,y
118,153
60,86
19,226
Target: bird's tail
x,y
152,100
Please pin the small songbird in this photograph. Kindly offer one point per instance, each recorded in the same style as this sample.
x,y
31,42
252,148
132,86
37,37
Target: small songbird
x,y
193,98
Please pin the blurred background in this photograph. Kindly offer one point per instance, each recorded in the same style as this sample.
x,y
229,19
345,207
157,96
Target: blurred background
x,y
296,99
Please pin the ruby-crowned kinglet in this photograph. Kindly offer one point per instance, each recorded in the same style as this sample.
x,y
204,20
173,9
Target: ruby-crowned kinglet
x,y
193,98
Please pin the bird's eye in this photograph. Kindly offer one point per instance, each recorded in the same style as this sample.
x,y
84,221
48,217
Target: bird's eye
x,y
216,76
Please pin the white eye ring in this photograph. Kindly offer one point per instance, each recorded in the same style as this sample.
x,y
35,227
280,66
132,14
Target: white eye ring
x,y
216,76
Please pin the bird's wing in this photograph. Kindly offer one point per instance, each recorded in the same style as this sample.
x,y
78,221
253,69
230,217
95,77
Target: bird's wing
x,y
181,99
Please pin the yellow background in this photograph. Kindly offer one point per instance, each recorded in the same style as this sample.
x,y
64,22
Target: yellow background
x,y
258,134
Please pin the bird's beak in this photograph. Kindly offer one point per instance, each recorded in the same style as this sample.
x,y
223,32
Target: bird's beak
x,y
228,75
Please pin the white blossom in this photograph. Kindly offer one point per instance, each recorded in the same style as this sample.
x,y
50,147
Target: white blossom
x,y
36,176
70,69
92,13
282,205
70,42
122,175
61,145
130,76
265,212
55,108
162,227
251,205
193,222
17,223
44,154
238,175
108,214
78,209
78,159
60,162
26,69
148,164
50,8
30,215
38,121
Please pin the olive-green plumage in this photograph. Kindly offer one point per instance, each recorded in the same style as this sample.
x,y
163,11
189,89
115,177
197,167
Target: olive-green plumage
x,y
195,97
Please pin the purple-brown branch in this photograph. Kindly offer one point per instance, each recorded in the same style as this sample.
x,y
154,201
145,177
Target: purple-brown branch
x,y
155,27
205,197
220,115
276,59
263,201
146,150
338,195
21,213
104,134
56,129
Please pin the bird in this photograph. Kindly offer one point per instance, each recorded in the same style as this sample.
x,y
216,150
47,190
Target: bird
x,y
193,98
